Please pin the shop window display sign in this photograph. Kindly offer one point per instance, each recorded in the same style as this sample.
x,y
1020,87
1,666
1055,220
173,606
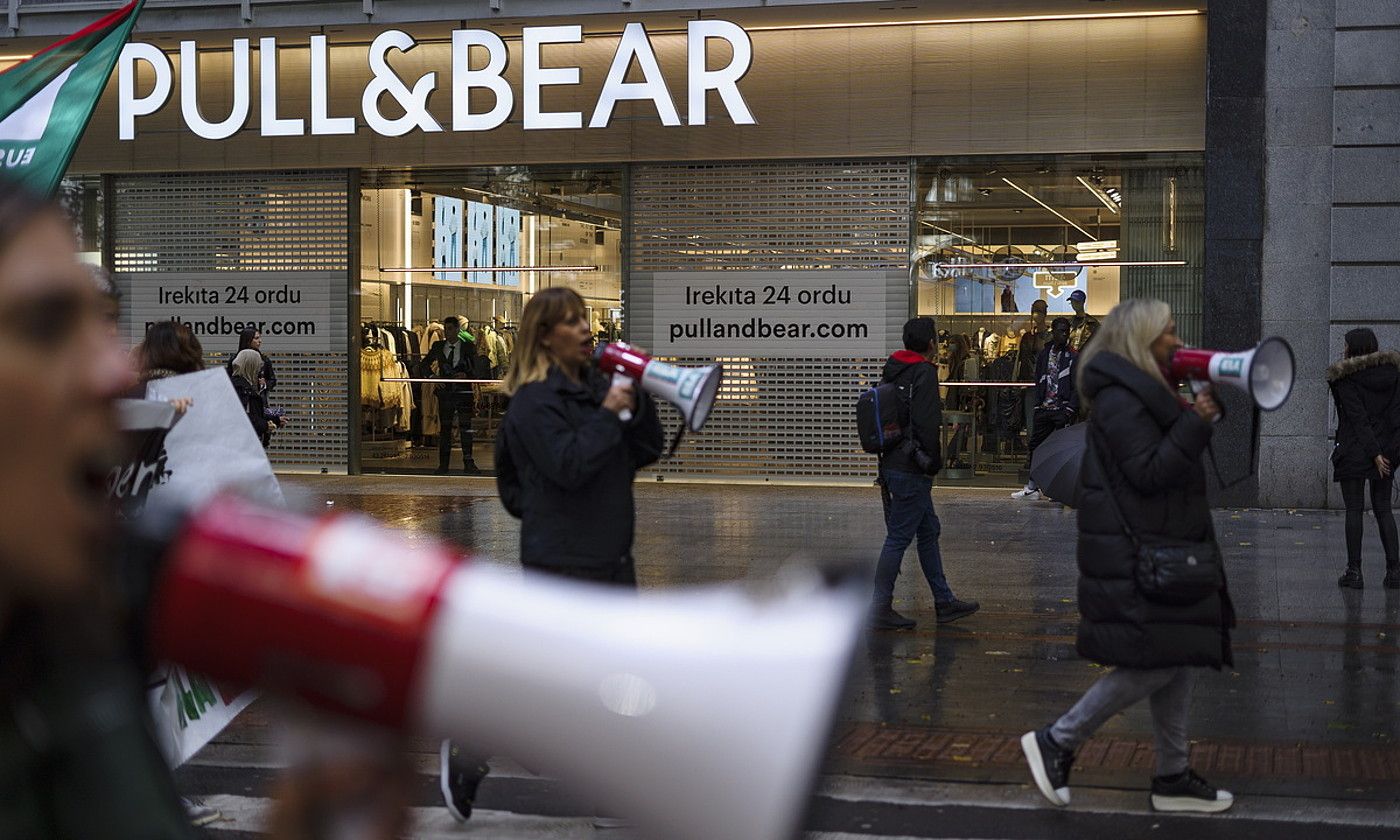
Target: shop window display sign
x,y
507,245
447,235
292,316
466,85
770,313
480,241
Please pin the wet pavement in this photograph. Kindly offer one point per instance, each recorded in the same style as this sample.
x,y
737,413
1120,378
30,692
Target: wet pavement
x,y
1311,708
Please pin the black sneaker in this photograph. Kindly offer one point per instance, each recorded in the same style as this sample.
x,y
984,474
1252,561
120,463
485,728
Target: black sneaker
x,y
1189,792
1049,765
1351,579
950,611
883,617
459,780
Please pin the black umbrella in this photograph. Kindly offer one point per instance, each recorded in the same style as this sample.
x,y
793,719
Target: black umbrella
x,y
1055,467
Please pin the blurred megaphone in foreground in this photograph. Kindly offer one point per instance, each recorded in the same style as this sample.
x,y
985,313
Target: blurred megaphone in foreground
x,y
1265,372
700,716
692,390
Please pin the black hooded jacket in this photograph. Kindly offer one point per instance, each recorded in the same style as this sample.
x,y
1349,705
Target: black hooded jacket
x,y
1365,391
907,368
565,465
1155,448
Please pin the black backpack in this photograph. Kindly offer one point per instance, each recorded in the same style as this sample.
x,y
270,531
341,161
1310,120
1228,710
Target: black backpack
x,y
883,417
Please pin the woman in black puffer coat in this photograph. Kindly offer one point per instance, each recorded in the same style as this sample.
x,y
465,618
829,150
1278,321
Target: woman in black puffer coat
x,y
1366,389
1155,443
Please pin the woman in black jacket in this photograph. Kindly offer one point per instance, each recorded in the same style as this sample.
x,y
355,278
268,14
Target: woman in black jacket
x,y
1366,389
1153,443
573,454
565,462
246,368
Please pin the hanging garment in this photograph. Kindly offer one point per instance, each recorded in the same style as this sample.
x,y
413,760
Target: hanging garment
x,y
1008,300
369,377
375,365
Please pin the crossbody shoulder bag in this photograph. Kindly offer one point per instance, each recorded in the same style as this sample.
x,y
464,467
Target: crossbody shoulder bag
x,y
1166,571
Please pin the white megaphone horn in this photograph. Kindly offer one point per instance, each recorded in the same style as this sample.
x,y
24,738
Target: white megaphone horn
x,y
692,390
700,715
1265,372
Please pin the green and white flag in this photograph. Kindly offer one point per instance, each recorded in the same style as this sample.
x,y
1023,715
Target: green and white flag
x,y
47,100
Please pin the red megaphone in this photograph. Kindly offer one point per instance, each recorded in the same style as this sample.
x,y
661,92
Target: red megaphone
x,y
692,390
1265,373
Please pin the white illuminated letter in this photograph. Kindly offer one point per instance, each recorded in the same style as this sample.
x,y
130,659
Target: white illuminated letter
x,y
321,122
273,125
537,77
189,92
724,80
414,102
653,86
129,106
464,79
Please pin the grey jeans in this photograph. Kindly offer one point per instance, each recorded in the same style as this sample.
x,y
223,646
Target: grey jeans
x,y
1170,693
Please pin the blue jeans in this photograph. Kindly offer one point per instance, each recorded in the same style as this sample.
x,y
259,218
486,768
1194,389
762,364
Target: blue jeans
x,y
908,499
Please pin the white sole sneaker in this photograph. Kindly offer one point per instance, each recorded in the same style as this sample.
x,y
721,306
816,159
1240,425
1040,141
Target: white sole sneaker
x,y
1026,496
1194,805
1058,797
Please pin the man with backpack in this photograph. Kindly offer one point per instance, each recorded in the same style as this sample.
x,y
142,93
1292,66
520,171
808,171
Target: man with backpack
x,y
907,439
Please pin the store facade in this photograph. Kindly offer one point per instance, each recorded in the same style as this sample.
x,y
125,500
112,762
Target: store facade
x,y
777,196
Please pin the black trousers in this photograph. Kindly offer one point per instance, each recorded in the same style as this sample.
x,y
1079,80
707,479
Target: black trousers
x,y
1047,421
1354,495
459,406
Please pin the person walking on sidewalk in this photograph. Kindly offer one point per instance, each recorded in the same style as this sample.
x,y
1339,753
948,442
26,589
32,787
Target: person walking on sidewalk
x,y
906,484
1150,480
1056,400
1365,386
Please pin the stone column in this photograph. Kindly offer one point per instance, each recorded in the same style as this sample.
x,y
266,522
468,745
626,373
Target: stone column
x,y
1294,466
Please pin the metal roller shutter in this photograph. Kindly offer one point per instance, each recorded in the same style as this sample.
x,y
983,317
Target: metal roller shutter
x,y
779,417
274,249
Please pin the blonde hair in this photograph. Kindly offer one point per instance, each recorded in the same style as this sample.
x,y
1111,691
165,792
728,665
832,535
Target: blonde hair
x,y
555,305
1128,330
248,364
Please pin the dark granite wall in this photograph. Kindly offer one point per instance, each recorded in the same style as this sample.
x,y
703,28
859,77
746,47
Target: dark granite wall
x,y
1235,161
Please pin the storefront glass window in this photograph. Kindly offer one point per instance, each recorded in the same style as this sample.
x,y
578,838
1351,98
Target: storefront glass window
x,y
475,244
82,201
1006,245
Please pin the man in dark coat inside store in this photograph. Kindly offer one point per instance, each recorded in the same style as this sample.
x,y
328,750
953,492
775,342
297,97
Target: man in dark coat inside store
x,y
455,357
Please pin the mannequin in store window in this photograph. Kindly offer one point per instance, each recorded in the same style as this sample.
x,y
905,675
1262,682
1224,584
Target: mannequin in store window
x,y
455,357
1033,337
1083,325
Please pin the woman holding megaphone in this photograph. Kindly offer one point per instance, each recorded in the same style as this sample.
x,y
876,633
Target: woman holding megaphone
x,y
565,461
1153,602
566,458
